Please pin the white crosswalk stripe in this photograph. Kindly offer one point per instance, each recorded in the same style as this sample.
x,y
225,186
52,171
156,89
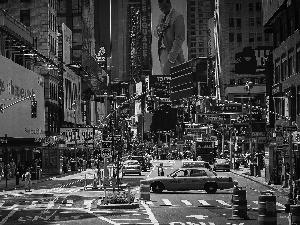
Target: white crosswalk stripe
x,y
186,202
223,203
166,201
203,202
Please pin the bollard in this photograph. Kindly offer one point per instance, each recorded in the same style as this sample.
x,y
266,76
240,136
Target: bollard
x,y
267,214
239,204
294,215
128,194
84,182
95,182
144,190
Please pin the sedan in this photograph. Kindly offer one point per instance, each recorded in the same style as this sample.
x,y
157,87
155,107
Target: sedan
x,y
221,164
191,179
131,166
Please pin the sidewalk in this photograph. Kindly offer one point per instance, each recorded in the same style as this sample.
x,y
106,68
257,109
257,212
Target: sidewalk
x,y
245,172
11,183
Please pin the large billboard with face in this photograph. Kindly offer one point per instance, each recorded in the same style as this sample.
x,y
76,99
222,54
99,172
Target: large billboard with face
x,y
168,34
17,84
72,96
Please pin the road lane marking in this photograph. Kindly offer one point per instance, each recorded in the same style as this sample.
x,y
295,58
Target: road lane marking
x,y
166,201
203,202
149,212
150,203
4,220
223,203
186,202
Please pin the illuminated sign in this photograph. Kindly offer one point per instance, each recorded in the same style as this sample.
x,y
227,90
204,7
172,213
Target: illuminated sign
x,y
100,57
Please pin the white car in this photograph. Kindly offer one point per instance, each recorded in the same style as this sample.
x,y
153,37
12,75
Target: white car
x,y
131,166
191,179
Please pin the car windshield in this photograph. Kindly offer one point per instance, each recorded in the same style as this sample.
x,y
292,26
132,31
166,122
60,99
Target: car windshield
x,y
132,163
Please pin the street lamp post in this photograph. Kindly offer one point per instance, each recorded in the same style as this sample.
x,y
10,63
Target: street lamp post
x,y
248,87
74,107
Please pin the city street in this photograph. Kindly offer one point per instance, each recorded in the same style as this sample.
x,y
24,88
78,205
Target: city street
x,y
64,201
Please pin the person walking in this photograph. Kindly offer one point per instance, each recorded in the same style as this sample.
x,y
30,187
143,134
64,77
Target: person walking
x,y
27,180
170,32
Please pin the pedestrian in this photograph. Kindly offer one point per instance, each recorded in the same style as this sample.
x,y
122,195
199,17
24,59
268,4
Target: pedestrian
x,y
28,180
113,181
170,32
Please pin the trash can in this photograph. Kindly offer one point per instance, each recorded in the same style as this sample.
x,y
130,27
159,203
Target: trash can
x,y
39,173
73,165
253,169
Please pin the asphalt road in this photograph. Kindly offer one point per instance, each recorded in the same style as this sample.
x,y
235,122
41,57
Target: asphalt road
x,y
63,201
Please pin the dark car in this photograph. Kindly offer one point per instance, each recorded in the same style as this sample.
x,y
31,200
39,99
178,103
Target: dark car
x,y
141,160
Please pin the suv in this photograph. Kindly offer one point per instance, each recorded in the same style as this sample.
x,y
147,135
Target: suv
x,y
141,161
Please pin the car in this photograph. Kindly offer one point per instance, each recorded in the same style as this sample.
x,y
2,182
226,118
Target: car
x,y
193,164
184,179
131,166
221,164
141,160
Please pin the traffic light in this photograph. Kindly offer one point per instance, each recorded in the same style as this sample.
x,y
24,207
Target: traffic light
x,y
1,107
33,109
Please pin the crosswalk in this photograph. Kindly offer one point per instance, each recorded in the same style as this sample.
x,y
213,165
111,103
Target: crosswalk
x,y
205,203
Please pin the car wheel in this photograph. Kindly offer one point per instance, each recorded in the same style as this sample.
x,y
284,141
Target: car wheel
x,y
140,174
157,187
210,188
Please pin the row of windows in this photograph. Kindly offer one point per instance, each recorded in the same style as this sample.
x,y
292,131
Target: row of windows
x,y
22,1
243,81
237,22
287,65
257,6
258,37
200,3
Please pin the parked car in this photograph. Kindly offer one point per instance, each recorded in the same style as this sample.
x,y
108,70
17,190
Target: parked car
x,y
221,164
141,160
131,166
191,179
190,164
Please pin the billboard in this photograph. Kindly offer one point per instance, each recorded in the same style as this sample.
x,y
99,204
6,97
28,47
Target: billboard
x,y
16,84
67,43
181,7
160,86
137,102
72,93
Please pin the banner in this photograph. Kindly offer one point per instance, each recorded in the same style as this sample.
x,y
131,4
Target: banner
x,y
67,43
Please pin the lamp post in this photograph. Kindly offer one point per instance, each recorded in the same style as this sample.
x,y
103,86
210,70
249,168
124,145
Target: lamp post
x,y
248,87
74,107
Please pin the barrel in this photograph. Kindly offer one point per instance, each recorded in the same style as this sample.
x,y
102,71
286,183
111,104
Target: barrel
x,y
239,204
144,190
267,214
295,214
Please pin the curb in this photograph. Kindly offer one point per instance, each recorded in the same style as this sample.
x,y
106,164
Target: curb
x,y
119,206
256,181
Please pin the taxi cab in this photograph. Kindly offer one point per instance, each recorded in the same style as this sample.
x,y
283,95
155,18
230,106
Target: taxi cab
x,y
191,179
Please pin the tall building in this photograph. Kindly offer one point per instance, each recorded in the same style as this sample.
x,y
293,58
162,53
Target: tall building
x,y
198,14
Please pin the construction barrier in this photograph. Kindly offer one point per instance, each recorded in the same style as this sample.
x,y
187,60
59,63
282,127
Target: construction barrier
x,y
144,190
294,215
239,204
267,214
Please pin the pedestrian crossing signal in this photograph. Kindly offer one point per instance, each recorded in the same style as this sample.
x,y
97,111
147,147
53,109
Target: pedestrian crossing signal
x,y
33,109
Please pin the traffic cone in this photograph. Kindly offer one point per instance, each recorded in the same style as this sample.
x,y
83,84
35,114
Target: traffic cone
x,y
95,182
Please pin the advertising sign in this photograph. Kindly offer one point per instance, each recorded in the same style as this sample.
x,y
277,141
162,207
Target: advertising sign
x,y
146,35
160,85
72,94
67,43
81,134
180,6
16,85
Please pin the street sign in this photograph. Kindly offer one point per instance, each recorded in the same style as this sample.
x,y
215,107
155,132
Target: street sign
x,y
286,128
291,128
229,109
105,152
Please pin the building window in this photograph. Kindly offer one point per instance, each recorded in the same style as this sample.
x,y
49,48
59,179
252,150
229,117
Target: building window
x,y
291,67
238,22
277,72
258,6
251,7
284,71
259,37
25,17
25,1
239,37
231,22
267,37
238,7
231,37
251,22
258,21
298,58
251,37
232,81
